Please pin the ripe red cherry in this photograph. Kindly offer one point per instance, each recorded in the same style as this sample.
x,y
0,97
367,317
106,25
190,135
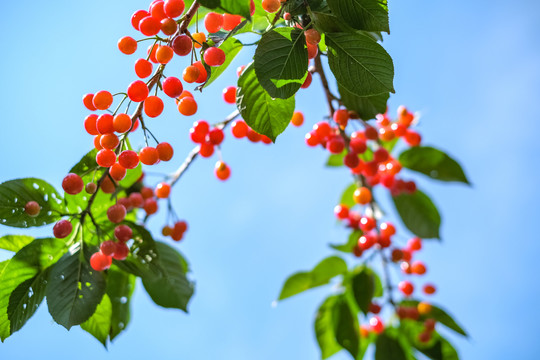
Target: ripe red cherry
x,y
149,26
87,101
136,199
374,308
358,145
312,36
137,17
229,95
367,223
121,251
381,155
376,324
116,213
72,184
164,54
90,124
153,106
406,287
127,45
418,268
106,158
165,151
222,171
182,45
150,206
173,8
128,159
143,68
163,190
412,138
62,229
149,155
341,117
231,21
137,91
100,261
239,129
414,244
213,22
32,208
429,289
341,211
387,229
107,247
351,160
172,86
105,124
367,241
216,136
102,100
122,123
214,56
123,232
335,145
312,139
308,81
117,172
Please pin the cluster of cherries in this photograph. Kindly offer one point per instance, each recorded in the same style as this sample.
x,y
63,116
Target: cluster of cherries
x,y
371,163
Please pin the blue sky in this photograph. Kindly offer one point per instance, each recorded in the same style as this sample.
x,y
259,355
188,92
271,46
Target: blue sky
x,y
470,68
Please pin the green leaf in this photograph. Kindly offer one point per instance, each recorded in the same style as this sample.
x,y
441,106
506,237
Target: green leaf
x,y
368,15
210,4
120,287
419,214
264,114
75,289
238,7
345,326
281,62
99,324
388,348
440,315
320,275
367,107
324,330
231,47
347,196
433,163
440,350
328,23
143,256
336,160
172,289
360,64
351,243
363,288
15,242
22,282
14,194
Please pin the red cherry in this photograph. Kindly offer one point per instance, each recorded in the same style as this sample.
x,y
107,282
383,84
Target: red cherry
x,y
100,261
72,184
216,136
214,56
341,211
128,159
406,287
62,229
121,251
107,247
376,324
429,289
172,87
116,213
32,208
123,233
